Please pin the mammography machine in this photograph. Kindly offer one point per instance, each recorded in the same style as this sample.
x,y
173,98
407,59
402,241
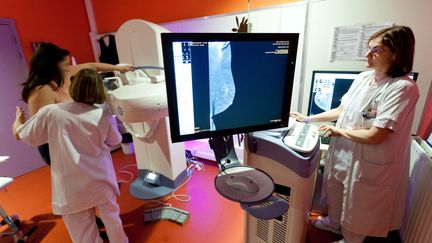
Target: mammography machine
x,y
224,84
138,99
218,85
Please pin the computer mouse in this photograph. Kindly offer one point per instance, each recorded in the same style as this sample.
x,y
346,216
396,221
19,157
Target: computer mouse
x,y
243,183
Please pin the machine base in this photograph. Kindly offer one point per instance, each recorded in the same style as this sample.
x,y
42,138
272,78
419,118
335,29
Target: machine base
x,y
141,189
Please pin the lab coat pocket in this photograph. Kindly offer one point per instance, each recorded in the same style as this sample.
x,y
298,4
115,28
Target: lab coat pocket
x,y
374,167
376,154
367,123
373,174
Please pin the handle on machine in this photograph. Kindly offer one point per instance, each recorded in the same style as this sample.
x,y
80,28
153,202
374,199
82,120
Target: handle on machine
x,y
148,67
278,206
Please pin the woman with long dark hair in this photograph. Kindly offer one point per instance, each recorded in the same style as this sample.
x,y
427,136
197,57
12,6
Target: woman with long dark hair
x,y
49,80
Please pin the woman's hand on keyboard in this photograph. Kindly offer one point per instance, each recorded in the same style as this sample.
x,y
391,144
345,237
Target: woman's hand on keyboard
x,y
329,131
298,116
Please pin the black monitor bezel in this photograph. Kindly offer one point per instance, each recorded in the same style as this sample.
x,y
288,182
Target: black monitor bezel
x,y
427,140
169,38
415,75
324,71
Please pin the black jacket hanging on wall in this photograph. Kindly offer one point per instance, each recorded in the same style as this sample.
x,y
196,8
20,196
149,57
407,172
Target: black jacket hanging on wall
x,y
108,53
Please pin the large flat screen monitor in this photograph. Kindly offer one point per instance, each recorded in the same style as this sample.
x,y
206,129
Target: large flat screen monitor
x,y
221,84
328,87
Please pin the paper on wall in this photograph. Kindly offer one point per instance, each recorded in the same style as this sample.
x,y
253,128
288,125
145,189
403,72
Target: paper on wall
x,y
350,42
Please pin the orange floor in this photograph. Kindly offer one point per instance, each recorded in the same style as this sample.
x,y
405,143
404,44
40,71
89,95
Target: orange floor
x,y
213,219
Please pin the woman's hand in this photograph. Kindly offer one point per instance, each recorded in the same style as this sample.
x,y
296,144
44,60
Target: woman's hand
x,y
20,115
124,68
329,131
19,120
298,116
242,27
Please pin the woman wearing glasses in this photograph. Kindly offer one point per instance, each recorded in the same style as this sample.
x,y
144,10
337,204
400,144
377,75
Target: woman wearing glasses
x,y
366,173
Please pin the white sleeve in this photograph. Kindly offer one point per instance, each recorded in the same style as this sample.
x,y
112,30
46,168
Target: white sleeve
x,y
35,130
397,103
113,137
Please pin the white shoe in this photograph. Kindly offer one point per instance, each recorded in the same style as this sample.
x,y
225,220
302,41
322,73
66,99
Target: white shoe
x,y
324,224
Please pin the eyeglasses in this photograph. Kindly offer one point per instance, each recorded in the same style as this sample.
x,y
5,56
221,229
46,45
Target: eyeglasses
x,y
375,50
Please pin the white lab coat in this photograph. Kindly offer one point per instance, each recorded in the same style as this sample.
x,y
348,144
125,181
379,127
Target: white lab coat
x,y
79,136
374,176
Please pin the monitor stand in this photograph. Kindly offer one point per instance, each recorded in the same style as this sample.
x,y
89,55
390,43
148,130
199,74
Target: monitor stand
x,y
224,151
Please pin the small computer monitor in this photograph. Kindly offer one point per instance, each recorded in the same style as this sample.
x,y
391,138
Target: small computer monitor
x,y
327,89
225,83
413,76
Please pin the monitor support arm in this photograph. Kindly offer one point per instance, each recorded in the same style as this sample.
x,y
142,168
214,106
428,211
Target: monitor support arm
x,y
223,148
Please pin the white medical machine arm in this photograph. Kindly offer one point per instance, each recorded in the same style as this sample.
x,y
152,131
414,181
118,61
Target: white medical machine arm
x,y
140,75
140,102
147,137
153,78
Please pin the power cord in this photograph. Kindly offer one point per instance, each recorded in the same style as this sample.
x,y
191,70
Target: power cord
x,y
193,164
124,171
178,197
191,159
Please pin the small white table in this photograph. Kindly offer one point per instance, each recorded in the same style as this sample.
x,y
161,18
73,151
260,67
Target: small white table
x,y
3,158
4,181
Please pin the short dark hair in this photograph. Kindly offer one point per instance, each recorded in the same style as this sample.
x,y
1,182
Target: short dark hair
x,y
44,68
87,87
401,41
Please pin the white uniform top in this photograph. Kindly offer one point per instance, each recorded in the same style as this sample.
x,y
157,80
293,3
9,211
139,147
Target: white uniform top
x,y
79,136
374,176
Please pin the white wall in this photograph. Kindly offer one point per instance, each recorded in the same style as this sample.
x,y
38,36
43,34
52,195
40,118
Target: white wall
x,y
326,14
288,18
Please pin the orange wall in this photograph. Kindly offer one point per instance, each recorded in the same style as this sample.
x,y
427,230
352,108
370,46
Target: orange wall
x,y
61,22
110,14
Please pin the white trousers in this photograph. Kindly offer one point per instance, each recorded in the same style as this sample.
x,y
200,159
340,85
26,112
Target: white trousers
x,y
334,196
334,191
82,226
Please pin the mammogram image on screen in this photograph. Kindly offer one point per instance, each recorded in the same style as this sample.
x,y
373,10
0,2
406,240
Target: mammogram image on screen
x,y
323,93
224,85
327,91
221,81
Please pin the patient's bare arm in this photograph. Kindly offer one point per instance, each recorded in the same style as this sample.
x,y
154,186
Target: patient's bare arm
x,y
19,120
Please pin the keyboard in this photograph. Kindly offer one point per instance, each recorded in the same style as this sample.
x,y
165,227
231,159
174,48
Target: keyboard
x,y
325,140
302,137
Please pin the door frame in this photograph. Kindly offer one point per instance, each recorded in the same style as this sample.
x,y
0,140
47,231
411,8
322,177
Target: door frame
x,y
22,168
10,23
